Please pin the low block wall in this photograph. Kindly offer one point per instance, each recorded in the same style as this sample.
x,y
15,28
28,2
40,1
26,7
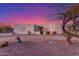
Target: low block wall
x,y
5,34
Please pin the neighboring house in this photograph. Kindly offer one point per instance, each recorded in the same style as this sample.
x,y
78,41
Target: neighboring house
x,y
37,28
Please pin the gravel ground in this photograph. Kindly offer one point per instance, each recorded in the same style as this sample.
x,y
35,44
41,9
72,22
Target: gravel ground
x,y
33,45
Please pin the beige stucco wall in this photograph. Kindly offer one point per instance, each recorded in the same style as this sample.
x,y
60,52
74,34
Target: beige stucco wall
x,y
23,29
53,27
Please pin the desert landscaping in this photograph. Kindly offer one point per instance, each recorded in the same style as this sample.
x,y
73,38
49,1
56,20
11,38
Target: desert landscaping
x,y
39,45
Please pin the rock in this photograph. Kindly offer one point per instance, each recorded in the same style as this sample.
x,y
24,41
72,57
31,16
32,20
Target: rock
x,y
19,39
6,43
50,42
3,44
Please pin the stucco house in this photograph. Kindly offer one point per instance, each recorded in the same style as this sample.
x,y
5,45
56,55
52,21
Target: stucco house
x,y
37,28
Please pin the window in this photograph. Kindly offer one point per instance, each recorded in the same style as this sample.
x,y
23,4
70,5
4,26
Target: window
x,y
36,28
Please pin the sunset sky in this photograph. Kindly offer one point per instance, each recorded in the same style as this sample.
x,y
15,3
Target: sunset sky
x,y
30,13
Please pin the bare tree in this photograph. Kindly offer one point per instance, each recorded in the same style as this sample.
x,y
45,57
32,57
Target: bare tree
x,y
71,22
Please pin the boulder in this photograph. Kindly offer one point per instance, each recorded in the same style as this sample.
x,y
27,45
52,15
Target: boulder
x,y
3,44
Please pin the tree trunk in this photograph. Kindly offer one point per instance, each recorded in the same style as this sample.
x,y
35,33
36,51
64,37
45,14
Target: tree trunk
x,y
69,39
